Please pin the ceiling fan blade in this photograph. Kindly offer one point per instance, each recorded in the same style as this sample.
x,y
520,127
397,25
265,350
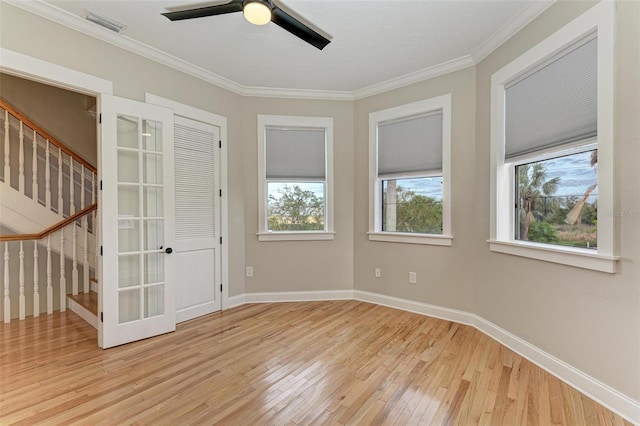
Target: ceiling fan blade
x,y
297,28
201,12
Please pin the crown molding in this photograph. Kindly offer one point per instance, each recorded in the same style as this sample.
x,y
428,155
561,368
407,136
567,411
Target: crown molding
x,y
74,22
509,29
414,77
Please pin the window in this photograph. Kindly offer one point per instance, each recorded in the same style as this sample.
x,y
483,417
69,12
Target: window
x,y
410,151
295,178
552,147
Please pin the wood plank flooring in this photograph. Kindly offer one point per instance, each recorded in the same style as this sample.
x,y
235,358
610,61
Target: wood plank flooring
x,y
338,362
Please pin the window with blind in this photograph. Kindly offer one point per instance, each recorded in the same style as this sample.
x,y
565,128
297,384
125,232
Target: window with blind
x,y
551,147
295,177
410,152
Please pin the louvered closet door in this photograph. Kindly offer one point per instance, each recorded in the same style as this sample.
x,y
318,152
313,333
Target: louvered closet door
x,y
197,219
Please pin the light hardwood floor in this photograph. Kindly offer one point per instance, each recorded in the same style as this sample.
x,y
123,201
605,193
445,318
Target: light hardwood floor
x,y
339,362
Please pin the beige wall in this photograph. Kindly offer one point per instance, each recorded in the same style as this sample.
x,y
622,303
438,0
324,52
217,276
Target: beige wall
x,y
62,113
132,76
589,319
301,265
444,274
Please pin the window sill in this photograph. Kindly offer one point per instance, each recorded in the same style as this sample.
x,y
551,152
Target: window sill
x,y
401,237
295,236
578,257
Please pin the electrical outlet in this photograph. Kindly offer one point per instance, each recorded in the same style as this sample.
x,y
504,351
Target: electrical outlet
x,y
249,272
412,278
378,273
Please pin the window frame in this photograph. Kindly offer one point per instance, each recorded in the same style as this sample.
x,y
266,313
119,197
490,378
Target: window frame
x,y
599,19
375,233
265,121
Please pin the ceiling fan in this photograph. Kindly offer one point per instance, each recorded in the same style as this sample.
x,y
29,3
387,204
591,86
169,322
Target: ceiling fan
x,y
258,12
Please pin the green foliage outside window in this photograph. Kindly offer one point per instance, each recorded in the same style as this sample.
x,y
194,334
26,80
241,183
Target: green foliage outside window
x,y
291,208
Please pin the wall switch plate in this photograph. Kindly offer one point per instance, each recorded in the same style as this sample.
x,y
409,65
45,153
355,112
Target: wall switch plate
x,y
249,272
377,273
412,278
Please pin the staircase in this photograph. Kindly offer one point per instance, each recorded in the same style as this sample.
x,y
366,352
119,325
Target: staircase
x,y
47,222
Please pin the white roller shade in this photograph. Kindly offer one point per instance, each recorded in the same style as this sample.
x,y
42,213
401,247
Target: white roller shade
x,y
295,153
411,144
555,104
194,184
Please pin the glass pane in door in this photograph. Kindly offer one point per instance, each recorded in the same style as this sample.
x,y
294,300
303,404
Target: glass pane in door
x,y
141,248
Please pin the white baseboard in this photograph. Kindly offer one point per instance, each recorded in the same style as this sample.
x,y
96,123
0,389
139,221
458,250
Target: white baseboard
x,y
234,301
298,296
82,312
191,312
591,387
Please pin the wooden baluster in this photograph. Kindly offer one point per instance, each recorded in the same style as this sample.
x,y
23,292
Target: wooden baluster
x,y
21,298
60,202
47,175
7,291
74,268
34,168
85,229
7,147
36,281
49,278
63,278
21,159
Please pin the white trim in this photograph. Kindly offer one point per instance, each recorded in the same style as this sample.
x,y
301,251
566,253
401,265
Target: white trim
x,y
375,217
235,301
219,121
48,73
403,237
600,18
192,312
571,256
435,311
414,77
295,121
295,236
82,312
512,27
298,296
77,23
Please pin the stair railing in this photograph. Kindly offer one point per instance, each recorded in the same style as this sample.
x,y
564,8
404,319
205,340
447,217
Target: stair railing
x,y
45,239
52,155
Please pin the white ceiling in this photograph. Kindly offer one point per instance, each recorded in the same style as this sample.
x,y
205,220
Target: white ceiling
x,y
374,42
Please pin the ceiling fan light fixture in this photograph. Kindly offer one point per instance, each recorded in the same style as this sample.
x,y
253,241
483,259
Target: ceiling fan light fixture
x,y
258,12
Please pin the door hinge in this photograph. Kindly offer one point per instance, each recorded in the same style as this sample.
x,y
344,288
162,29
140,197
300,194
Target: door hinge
x,y
220,287
100,119
100,185
101,316
219,144
221,192
100,250
220,240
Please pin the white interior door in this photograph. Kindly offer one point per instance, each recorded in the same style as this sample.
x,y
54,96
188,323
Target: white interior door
x,y
197,203
137,206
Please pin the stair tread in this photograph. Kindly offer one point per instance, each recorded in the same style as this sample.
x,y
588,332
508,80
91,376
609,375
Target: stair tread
x,y
89,301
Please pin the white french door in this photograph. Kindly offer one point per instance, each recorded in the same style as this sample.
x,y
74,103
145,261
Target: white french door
x,y
137,215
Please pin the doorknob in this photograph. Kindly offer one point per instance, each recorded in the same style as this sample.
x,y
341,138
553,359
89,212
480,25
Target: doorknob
x,y
168,250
